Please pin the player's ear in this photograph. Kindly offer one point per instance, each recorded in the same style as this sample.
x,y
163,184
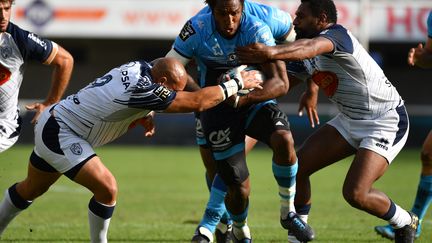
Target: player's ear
x,y
163,80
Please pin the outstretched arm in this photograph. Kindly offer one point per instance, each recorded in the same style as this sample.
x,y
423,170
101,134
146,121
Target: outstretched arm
x,y
211,96
63,65
297,50
421,55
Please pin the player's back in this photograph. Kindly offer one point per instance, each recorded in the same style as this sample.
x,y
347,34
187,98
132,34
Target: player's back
x,y
104,109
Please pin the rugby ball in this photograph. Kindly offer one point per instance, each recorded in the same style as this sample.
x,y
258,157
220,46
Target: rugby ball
x,y
235,72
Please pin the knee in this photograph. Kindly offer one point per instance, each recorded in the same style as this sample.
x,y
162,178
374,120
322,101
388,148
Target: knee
x,y
240,191
29,192
107,193
282,144
354,197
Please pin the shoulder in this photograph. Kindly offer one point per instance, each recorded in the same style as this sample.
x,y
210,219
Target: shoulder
x,y
256,30
340,38
197,25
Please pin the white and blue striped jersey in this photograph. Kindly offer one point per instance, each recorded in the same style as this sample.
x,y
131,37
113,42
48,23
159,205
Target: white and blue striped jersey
x,y
350,77
103,110
214,54
280,22
16,47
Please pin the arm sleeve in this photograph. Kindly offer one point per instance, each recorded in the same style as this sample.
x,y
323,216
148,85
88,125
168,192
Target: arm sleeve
x,y
155,97
33,47
340,38
186,41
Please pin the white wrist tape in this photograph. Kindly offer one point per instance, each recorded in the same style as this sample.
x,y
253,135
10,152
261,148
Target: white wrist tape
x,y
230,87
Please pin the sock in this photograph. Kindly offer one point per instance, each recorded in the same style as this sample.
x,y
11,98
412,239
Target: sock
x,y
225,218
286,178
240,228
99,219
11,205
303,211
423,197
397,216
215,206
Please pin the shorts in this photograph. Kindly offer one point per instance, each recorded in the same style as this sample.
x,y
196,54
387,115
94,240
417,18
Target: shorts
x,y
385,135
58,146
226,136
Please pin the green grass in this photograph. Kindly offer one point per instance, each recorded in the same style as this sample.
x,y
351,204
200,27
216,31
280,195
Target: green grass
x,y
162,195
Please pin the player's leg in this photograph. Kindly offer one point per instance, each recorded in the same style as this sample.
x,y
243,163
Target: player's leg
x,y
99,180
20,195
234,173
367,167
423,197
270,125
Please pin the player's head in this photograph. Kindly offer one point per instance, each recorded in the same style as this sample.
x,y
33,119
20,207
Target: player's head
x,y
227,15
5,13
312,16
170,72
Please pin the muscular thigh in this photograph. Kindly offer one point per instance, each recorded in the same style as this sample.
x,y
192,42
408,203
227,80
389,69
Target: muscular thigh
x,y
264,121
324,147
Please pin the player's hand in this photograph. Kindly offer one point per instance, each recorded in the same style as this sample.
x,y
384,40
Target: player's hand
x,y
38,108
414,54
308,101
254,53
251,79
147,123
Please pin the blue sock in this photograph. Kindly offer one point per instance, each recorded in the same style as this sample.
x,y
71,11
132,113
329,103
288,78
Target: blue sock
x,y
240,219
424,196
286,179
215,206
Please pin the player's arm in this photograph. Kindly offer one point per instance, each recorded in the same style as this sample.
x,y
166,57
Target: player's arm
x,y
211,96
62,63
421,55
297,50
276,84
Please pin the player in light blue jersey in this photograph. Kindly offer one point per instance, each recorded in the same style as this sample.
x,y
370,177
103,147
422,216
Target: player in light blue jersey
x,y
19,46
211,39
67,132
422,57
372,124
280,24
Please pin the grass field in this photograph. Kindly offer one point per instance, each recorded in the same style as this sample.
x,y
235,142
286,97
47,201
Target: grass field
x,y
162,195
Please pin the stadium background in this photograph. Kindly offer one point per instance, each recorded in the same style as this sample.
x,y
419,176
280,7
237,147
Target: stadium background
x,y
102,34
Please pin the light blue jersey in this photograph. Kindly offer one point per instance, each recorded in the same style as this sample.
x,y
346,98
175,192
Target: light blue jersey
x,y
214,54
280,22
429,24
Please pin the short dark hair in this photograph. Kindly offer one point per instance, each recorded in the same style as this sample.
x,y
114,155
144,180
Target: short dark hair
x,y
323,6
212,3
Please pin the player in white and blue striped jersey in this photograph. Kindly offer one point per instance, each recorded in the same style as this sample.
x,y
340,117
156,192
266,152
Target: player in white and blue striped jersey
x,y
17,47
372,124
67,132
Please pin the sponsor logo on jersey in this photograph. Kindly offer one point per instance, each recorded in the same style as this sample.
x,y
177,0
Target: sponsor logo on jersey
x,y
5,74
220,139
6,52
162,92
327,81
187,31
76,149
38,41
232,59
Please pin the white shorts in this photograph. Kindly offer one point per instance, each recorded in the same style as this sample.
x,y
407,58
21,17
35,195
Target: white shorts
x,y
57,145
385,135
